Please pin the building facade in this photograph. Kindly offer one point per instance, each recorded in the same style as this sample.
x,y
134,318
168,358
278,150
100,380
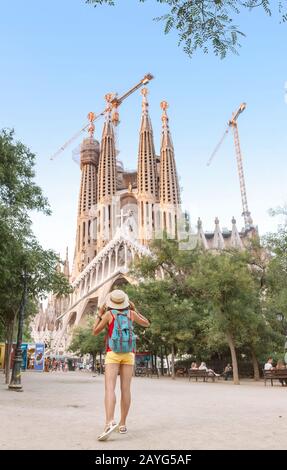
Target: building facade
x,y
119,212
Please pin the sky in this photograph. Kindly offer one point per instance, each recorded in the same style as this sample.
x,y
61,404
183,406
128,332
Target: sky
x,y
59,59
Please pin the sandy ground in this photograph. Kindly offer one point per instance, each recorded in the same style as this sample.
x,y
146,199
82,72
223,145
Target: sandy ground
x,y
65,411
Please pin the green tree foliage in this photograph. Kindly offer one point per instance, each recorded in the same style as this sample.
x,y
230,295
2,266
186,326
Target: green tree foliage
x,y
170,316
84,342
202,302
20,253
226,288
209,25
27,271
162,295
275,280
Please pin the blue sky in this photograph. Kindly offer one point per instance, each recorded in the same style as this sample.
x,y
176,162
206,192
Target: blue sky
x,y
59,59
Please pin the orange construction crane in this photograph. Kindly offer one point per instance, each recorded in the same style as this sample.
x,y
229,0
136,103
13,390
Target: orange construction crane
x,y
113,103
232,123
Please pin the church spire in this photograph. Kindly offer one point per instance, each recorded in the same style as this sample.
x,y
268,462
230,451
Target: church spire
x,y
218,240
107,165
201,240
147,180
66,265
89,162
235,239
106,180
169,188
147,174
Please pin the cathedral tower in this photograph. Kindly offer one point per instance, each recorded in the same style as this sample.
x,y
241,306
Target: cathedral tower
x,y
66,270
169,188
106,182
85,248
147,175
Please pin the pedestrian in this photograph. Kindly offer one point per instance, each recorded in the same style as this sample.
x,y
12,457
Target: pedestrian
x,y
269,364
47,362
227,372
281,365
118,314
54,365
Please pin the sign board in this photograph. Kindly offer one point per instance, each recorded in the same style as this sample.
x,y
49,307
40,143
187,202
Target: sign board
x,y
39,356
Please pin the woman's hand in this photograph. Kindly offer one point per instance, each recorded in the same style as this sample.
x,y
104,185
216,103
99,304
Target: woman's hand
x,y
102,310
132,305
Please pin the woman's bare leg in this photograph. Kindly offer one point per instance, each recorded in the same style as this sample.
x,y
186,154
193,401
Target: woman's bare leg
x,y
111,373
126,372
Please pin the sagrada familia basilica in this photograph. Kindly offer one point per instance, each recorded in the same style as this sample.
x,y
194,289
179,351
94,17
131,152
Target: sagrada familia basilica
x,y
119,212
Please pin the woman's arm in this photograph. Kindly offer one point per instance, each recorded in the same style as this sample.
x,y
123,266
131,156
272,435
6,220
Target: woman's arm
x,y
139,318
101,323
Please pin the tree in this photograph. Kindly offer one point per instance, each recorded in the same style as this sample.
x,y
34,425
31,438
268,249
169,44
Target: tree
x,y
169,313
275,281
26,270
207,24
225,286
84,342
202,302
36,274
161,295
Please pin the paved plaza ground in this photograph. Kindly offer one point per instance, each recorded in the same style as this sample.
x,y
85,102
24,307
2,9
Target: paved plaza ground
x,y
65,411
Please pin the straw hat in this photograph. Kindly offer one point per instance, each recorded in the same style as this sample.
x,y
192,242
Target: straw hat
x,y
117,299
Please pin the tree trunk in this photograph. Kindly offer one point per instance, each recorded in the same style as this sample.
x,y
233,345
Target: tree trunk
x,y
231,345
161,361
8,349
255,366
172,362
167,363
93,361
155,359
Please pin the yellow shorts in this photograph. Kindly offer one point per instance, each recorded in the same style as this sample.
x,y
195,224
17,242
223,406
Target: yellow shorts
x,y
120,358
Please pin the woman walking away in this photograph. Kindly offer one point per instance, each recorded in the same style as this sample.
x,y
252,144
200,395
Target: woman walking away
x,y
118,314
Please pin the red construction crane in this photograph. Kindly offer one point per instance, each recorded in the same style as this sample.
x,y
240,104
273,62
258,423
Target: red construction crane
x,y
113,103
232,123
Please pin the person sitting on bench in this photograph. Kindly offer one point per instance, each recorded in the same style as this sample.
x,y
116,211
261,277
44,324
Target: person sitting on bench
x,y
227,372
210,371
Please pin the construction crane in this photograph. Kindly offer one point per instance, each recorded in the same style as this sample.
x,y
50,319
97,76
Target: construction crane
x,y
232,123
113,102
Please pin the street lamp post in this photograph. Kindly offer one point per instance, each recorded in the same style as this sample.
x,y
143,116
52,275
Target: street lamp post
x,y
15,383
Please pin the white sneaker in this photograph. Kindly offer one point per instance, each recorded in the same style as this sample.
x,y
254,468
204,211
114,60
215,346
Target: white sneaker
x,y
108,431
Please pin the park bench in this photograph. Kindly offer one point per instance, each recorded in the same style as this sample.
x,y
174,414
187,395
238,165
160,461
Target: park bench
x,y
275,374
181,372
200,374
140,371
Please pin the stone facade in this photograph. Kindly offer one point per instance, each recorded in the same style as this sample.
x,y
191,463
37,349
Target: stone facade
x,y
119,212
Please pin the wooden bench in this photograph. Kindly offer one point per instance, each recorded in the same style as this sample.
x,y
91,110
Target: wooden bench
x,y
275,374
197,374
181,372
140,371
